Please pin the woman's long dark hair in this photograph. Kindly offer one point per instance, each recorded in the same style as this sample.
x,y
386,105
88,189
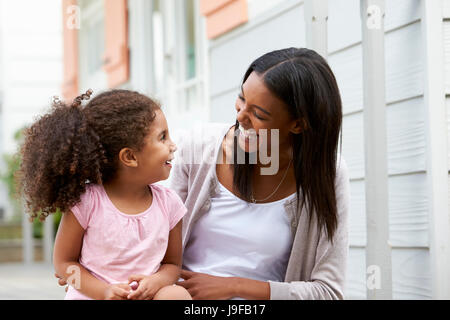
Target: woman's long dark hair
x,y
305,82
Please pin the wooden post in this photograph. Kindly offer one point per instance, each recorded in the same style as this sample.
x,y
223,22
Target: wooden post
x,y
437,150
378,250
48,239
27,240
316,17
141,46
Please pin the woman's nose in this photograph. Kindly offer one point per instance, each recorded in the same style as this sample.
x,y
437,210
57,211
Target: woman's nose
x,y
241,112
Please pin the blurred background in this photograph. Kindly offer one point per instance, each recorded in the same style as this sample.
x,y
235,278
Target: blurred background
x,y
192,55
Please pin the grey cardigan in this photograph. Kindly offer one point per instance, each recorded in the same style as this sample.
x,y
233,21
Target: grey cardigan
x,y
316,268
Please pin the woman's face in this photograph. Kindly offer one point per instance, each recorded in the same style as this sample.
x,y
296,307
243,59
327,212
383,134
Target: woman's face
x,y
259,111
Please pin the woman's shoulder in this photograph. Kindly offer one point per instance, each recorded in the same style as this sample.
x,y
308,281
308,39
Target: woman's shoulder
x,y
342,175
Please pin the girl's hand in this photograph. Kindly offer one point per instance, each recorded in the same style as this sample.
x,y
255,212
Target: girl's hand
x,y
203,286
62,282
148,286
118,291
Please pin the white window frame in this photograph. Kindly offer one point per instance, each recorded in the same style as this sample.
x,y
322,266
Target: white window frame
x,y
175,86
91,13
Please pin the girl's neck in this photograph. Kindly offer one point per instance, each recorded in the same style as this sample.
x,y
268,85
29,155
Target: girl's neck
x,y
124,189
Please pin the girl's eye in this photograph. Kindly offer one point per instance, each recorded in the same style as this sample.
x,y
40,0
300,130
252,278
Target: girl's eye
x,y
163,137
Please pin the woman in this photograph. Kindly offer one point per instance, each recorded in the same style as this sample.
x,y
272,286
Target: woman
x,y
269,236
256,233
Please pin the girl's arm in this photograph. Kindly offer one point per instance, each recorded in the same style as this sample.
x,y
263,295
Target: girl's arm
x,y
66,253
167,274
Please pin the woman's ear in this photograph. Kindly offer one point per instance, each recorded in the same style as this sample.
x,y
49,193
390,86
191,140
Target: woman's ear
x,y
128,158
298,126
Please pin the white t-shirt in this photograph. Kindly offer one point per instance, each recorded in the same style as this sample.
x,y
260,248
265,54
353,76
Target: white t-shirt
x,y
240,239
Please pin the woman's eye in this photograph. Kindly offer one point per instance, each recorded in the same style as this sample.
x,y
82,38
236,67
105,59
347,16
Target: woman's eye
x,y
257,116
241,98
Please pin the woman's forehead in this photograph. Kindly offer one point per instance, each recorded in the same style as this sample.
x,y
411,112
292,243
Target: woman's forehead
x,y
256,92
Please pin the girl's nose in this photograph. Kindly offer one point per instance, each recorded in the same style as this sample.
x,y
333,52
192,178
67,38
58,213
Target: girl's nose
x,y
173,147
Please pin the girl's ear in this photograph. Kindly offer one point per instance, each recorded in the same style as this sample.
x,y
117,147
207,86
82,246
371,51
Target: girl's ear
x,y
128,158
299,126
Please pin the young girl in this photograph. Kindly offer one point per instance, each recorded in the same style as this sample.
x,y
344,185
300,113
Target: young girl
x,y
97,164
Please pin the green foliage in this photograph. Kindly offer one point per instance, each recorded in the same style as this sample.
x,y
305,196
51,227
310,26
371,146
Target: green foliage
x,y
38,226
12,163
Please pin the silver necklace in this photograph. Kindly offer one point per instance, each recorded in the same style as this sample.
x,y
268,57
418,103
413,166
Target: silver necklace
x,y
285,174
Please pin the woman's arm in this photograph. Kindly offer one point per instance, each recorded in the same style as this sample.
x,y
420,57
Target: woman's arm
x,y
329,271
66,253
167,274
203,286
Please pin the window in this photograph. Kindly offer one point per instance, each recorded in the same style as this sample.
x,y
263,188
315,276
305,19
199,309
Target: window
x,y
95,45
92,46
189,26
158,47
178,43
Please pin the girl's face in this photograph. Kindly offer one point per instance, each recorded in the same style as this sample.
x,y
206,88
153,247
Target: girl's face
x,y
259,110
154,159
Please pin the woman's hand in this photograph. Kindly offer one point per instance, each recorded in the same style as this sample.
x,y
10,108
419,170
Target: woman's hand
x,y
203,286
148,286
119,291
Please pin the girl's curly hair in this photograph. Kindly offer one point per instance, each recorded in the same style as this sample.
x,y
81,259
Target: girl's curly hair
x,y
72,145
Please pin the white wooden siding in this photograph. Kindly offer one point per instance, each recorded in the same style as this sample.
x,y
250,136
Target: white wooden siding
x,y
408,219
447,101
355,287
404,63
411,273
344,25
230,59
446,33
404,68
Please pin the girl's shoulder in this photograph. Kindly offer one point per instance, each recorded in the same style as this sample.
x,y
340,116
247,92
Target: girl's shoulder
x,y
170,203
89,202
163,192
